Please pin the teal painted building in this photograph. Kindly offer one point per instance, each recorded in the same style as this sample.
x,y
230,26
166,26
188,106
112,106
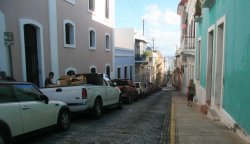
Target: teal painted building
x,y
223,61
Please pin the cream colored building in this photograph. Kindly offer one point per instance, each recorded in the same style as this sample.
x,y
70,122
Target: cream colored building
x,y
186,10
58,36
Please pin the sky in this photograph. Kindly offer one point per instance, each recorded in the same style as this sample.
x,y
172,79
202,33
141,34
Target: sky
x,y
161,21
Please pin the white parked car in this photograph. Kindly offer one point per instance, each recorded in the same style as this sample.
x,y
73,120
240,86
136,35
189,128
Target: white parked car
x,y
142,91
98,92
24,109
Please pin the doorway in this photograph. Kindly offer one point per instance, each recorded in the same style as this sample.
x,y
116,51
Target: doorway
x,y
209,66
218,88
31,54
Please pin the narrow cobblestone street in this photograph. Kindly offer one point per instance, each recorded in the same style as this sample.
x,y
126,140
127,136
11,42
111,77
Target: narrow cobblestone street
x,y
143,122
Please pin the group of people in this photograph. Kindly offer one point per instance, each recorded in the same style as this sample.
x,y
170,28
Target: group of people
x,y
48,80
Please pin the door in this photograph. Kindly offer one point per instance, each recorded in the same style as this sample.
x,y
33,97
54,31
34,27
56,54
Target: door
x,y
112,92
34,112
209,67
9,108
31,54
218,88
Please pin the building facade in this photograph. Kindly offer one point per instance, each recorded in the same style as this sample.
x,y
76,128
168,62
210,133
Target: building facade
x,y
141,62
186,10
222,62
58,36
124,54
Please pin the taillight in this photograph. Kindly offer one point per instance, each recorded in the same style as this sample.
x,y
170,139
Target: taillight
x,y
84,93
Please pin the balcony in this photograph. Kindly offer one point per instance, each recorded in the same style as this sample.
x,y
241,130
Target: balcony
x,y
188,46
141,59
208,3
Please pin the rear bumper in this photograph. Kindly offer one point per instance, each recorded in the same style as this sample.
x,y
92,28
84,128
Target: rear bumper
x,y
77,107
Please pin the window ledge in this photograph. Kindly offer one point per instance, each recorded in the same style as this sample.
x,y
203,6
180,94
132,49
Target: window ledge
x,y
92,48
71,2
91,12
69,46
107,50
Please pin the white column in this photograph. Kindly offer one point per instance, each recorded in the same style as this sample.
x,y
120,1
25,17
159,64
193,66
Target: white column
x,y
53,38
4,58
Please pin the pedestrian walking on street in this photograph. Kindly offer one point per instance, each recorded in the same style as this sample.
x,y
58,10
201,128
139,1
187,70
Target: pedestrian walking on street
x,y
191,92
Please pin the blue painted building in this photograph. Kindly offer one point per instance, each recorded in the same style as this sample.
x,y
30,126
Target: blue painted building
x,y
124,54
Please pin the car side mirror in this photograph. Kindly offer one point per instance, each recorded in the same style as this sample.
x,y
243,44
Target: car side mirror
x,y
45,99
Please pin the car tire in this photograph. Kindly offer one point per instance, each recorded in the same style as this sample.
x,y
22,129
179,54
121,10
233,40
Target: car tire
x,y
120,104
97,110
63,121
5,137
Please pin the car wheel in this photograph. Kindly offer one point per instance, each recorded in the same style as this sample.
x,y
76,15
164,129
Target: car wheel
x,y
97,110
120,104
63,122
5,138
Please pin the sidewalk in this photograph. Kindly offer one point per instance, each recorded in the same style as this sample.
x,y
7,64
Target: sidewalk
x,y
193,127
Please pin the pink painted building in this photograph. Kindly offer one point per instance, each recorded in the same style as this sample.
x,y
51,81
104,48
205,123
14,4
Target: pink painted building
x,y
58,36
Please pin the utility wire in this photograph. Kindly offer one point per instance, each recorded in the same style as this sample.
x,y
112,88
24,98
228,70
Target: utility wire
x,y
133,8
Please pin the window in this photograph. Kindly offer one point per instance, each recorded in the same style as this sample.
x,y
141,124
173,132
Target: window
x,y
27,92
93,69
69,34
118,72
107,42
199,60
107,9
6,94
125,72
92,5
92,39
150,59
70,71
108,71
106,83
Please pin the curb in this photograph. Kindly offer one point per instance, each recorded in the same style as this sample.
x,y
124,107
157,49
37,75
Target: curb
x,y
172,125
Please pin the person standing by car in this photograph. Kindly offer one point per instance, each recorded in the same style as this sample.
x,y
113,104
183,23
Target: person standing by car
x,y
48,80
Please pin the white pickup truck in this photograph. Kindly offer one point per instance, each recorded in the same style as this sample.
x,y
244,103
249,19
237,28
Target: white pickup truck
x,y
98,92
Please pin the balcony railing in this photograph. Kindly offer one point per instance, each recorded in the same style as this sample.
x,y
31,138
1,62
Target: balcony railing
x,y
140,58
188,45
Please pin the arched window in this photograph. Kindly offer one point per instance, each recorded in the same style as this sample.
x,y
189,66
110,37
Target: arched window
x,y
92,38
93,69
92,5
69,34
107,9
70,71
107,42
108,70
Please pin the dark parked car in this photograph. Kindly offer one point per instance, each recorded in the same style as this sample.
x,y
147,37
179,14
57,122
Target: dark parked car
x,y
128,89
